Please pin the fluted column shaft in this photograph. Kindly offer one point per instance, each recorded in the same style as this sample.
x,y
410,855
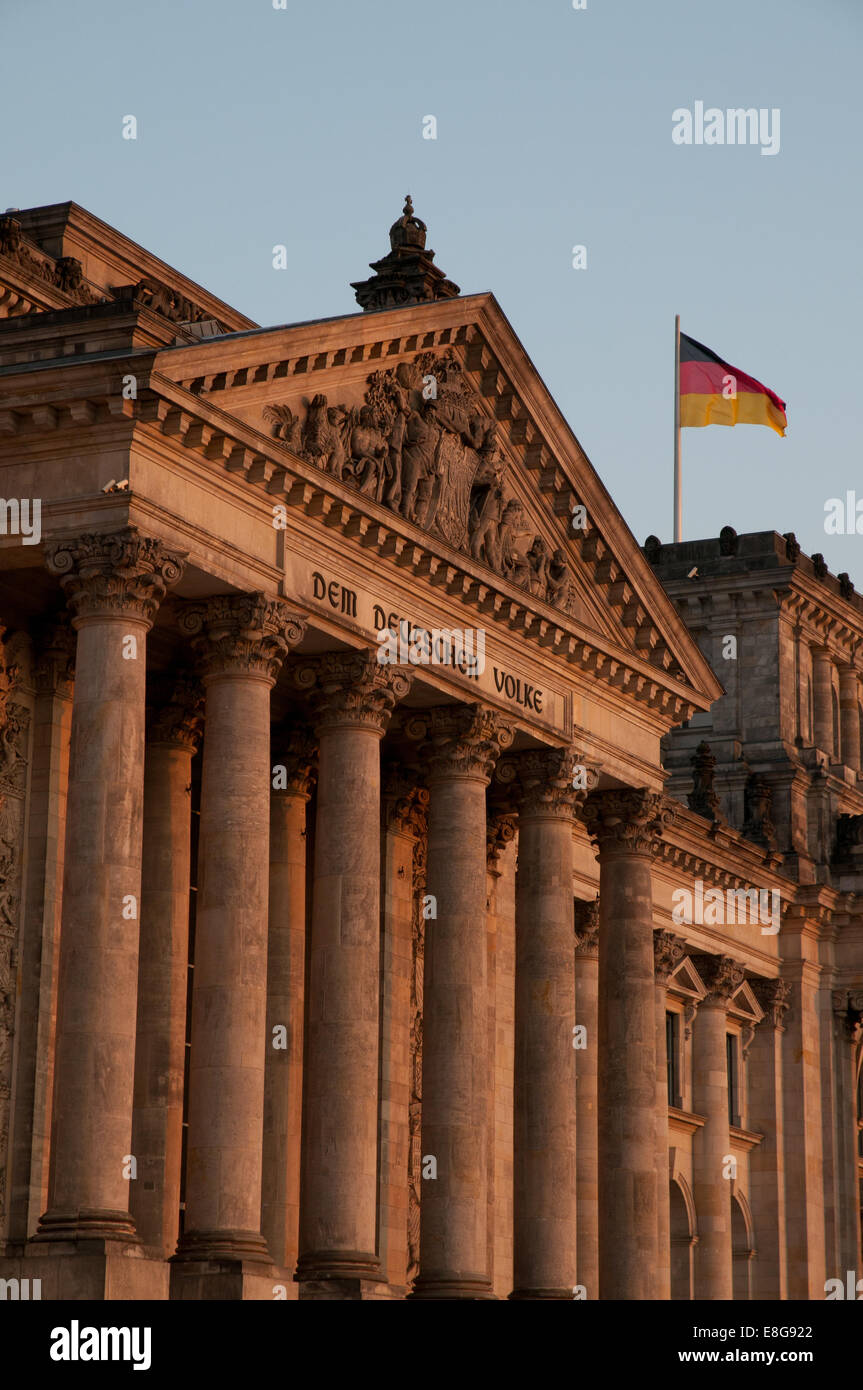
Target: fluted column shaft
x,y
668,951
353,697
849,716
163,968
711,1171
822,699
544,1149
586,1096
462,748
114,585
241,642
625,823
283,1073
767,1159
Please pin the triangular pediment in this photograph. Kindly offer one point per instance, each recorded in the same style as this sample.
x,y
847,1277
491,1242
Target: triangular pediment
x,y
434,413
686,981
744,1005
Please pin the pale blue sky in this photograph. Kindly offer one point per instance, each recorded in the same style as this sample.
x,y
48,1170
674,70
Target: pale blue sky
x,y
304,127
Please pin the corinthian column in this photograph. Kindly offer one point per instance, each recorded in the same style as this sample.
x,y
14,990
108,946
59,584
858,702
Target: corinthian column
x,y
668,951
352,696
544,1204
822,697
712,1177
625,825
293,774
241,641
113,585
462,747
587,1017
163,968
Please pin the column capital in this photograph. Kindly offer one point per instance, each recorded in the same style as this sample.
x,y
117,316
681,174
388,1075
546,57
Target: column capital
x,y
722,976
586,923
178,722
500,830
668,951
627,820
352,689
296,751
848,1013
542,781
405,805
774,996
121,575
241,634
460,740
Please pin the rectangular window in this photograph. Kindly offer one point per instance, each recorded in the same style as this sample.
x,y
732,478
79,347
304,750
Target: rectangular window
x,y
672,1055
733,1079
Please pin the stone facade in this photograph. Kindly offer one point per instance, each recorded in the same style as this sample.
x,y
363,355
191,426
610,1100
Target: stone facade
x,y
402,892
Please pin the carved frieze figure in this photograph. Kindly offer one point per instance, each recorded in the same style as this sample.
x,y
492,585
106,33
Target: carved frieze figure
x,y
286,425
323,444
370,454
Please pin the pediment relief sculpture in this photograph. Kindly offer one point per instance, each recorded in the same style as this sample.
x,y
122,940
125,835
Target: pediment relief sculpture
x,y
419,445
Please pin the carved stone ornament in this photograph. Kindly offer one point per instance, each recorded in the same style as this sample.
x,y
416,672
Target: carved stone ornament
x,y
774,997
121,574
541,781
460,740
297,753
180,720
668,951
758,817
585,916
405,805
629,820
722,977
703,799
167,302
246,634
407,275
501,829
848,1012
352,688
65,274
421,445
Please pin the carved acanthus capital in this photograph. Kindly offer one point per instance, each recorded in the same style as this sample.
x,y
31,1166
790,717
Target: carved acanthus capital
x,y
774,996
848,1013
241,634
547,781
460,740
501,828
722,977
54,664
295,756
668,951
586,923
405,805
179,721
352,689
627,820
123,574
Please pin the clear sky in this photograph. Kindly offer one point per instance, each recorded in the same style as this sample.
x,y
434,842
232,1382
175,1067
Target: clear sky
x,y
304,126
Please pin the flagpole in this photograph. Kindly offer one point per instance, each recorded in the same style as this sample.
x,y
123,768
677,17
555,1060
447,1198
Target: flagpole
x,y
678,501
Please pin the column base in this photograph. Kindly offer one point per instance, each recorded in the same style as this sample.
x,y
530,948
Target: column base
x,y
88,1271
560,1295
316,1266
333,1290
455,1286
224,1266
86,1223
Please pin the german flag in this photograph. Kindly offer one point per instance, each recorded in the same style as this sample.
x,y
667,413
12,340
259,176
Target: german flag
x,y
712,392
